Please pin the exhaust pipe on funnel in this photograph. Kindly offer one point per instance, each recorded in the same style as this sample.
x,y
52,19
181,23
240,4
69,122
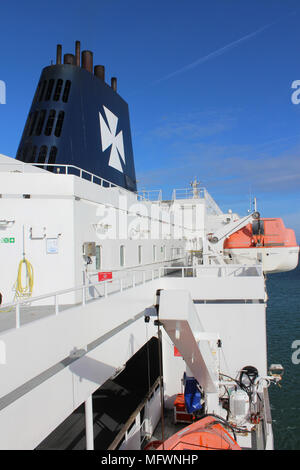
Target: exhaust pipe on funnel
x,y
114,83
99,71
58,54
69,59
87,61
77,53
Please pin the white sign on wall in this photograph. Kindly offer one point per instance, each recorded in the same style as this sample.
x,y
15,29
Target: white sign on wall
x,y
52,245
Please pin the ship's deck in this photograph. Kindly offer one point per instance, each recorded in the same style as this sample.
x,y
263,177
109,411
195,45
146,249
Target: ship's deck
x,y
28,314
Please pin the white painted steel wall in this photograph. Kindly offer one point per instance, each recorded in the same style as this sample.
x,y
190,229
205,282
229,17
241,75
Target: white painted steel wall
x,y
38,346
210,288
180,320
34,348
71,210
242,330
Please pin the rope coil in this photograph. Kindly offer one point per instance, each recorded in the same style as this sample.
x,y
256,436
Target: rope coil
x,y
21,291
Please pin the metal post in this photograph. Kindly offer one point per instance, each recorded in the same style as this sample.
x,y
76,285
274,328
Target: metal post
x,y
161,380
18,316
56,305
83,295
89,423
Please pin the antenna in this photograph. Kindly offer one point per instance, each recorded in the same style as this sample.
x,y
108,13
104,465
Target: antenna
x,y
255,204
195,184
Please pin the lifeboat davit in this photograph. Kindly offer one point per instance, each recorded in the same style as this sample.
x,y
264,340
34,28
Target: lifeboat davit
x,y
206,434
265,241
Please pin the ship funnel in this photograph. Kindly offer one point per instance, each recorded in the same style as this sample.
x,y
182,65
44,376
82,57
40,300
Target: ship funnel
x,y
74,118
87,61
58,54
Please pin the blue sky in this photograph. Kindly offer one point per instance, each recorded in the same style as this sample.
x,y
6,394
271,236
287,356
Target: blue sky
x,y
208,84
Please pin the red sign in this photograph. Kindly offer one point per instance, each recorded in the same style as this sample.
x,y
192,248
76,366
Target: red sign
x,y
176,352
104,276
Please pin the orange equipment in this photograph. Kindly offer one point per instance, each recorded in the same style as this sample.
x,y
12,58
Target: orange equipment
x,y
206,434
263,233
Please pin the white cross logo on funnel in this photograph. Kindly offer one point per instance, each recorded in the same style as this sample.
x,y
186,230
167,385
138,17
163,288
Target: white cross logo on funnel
x,y
109,138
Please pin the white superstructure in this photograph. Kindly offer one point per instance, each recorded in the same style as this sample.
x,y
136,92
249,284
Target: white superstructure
x,y
98,256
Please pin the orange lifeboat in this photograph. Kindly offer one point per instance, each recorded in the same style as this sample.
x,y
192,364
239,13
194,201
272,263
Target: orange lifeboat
x,y
205,434
262,232
267,239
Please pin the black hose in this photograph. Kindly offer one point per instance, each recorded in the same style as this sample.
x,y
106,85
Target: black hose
x,y
225,422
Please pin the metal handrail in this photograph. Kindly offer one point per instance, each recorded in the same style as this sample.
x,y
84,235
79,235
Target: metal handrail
x,y
93,177
83,287
146,195
161,270
101,283
188,193
81,173
211,203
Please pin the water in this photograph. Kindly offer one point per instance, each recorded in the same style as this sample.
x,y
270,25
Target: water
x,y
283,328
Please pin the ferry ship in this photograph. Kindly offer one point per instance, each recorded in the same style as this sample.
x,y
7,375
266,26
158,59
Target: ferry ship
x,y
127,321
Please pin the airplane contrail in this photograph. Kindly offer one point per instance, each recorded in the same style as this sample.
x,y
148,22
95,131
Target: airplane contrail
x,y
216,53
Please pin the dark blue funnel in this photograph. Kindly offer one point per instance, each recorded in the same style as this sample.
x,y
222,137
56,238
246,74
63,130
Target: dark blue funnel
x,y
77,119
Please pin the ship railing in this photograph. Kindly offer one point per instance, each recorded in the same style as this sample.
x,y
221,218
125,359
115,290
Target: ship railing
x,y
188,193
56,302
131,427
76,171
264,438
65,170
211,204
143,195
51,303
199,193
151,195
